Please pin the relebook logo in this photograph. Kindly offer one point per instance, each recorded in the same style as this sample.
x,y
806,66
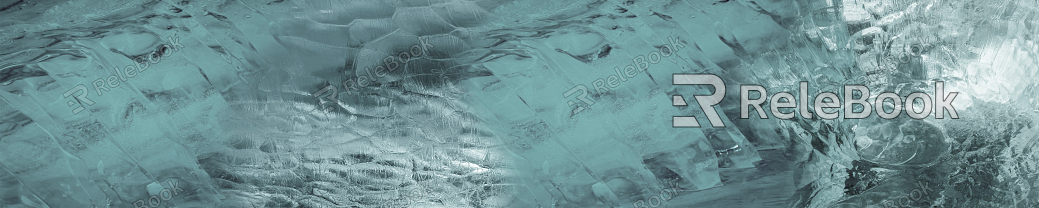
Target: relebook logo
x,y
827,104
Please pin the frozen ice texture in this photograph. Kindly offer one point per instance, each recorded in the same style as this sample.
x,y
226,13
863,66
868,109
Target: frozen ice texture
x,y
506,103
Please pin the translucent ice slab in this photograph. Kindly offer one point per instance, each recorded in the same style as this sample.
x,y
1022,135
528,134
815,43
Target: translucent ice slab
x,y
508,103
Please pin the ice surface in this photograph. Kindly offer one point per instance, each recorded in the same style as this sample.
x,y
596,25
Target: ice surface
x,y
506,103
